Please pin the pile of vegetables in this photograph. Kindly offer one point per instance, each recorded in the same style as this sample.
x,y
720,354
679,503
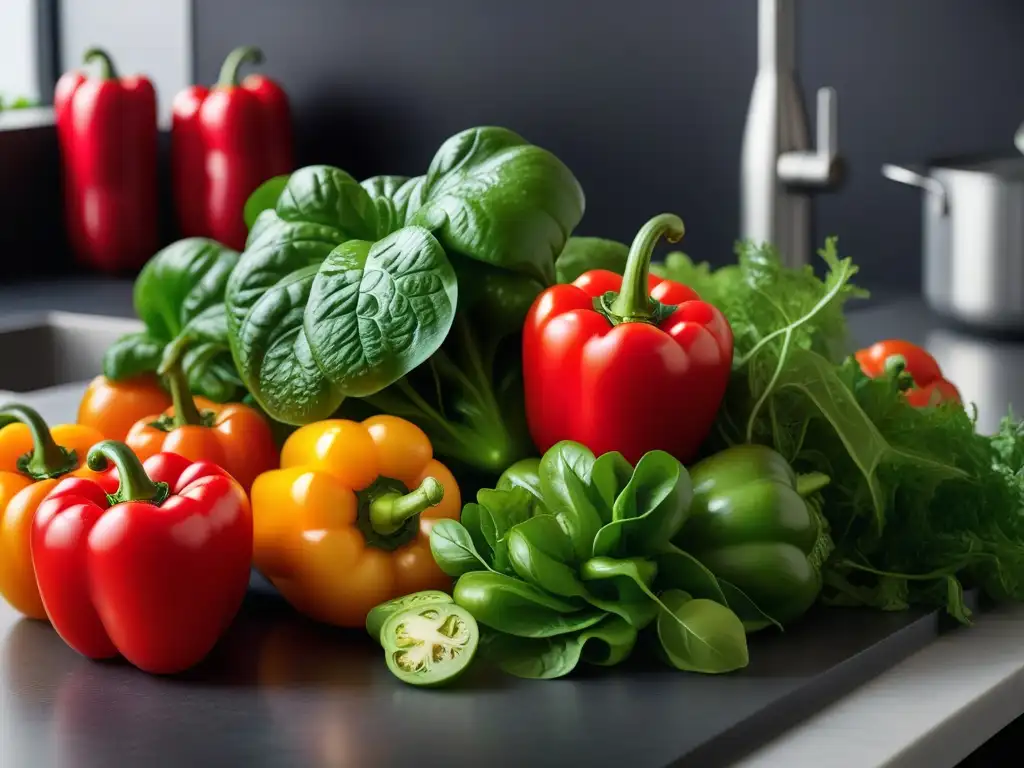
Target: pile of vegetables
x,y
668,461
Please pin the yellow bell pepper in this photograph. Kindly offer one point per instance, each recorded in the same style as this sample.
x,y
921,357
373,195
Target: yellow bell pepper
x,y
32,460
345,523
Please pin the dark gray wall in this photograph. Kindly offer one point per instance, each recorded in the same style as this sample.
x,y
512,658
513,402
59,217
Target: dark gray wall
x,y
645,100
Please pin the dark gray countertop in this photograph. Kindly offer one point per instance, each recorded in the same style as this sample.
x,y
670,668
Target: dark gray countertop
x,y
282,692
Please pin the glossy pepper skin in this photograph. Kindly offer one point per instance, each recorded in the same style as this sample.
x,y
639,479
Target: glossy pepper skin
x,y
344,525
752,525
233,436
929,387
629,364
107,132
32,459
113,407
225,142
155,569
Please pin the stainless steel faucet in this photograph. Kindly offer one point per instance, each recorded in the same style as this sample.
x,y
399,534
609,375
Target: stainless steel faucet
x,y
779,170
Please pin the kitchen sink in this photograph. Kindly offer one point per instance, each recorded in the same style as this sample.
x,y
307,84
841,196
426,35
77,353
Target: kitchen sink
x,y
55,350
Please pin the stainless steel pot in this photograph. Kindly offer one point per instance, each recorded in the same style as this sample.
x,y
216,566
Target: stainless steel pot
x,y
973,239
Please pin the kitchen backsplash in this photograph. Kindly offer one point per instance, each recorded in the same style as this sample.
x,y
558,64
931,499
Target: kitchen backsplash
x,y
644,100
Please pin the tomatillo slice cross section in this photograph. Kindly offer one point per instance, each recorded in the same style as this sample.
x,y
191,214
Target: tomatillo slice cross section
x,y
376,618
430,645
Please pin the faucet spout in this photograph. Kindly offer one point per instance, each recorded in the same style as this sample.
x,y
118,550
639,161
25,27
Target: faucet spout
x,y
780,170
776,35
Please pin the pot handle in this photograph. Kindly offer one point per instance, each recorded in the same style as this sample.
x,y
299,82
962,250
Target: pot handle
x,y
1019,138
929,184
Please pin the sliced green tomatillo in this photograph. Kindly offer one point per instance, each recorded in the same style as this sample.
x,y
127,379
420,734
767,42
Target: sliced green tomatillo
x,y
377,616
430,645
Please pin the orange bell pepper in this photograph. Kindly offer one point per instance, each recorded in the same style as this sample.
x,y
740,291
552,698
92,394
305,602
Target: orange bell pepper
x,y
344,525
113,407
32,459
232,436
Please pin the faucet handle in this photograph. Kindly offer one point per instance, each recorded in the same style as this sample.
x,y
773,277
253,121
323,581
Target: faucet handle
x,y
821,167
828,122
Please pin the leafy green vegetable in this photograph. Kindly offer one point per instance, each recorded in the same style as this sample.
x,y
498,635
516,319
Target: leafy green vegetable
x,y
582,254
566,489
421,317
179,296
919,503
490,520
377,311
607,643
264,198
503,201
650,510
533,572
701,635
453,549
541,553
514,607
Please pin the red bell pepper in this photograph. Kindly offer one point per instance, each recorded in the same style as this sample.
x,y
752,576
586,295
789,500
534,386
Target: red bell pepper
x,y
151,561
107,133
629,364
927,386
225,142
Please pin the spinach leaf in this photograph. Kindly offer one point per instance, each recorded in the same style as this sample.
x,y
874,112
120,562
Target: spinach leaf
x,y
512,606
180,287
500,511
329,197
622,587
753,618
132,355
565,472
524,474
610,476
700,635
318,312
453,549
582,254
541,553
503,201
607,643
180,282
268,340
472,519
264,198
649,511
392,196
376,311
682,571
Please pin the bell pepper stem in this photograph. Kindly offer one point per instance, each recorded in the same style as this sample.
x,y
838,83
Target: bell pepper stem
x,y
229,69
107,69
810,483
133,482
633,304
185,411
389,512
47,459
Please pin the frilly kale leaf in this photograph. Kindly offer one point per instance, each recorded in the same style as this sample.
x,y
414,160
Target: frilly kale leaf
x,y
919,504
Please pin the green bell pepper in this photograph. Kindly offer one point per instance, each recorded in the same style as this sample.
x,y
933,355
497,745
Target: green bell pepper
x,y
753,525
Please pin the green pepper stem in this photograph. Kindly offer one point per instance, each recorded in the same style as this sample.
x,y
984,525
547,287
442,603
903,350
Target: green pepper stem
x,y
185,411
633,304
242,55
810,483
133,482
47,459
107,69
389,512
